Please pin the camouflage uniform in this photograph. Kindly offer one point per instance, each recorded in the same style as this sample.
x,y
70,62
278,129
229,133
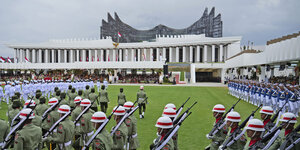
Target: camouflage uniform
x,y
4,130
103,100
93,97
131,123
120,137
40,109
103,141
239,144
280,139
218,138
28,138
121,98
86,127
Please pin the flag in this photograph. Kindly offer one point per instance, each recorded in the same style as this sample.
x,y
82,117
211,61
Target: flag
x,y
8,60
108,59
2,59
98,58
87,58
26,59
144,56
92,58
117,57
80,59
119,34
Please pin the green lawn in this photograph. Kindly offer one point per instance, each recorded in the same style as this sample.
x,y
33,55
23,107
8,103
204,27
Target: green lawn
x,y
193,131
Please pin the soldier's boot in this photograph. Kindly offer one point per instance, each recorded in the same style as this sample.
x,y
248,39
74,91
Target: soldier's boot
x,y
143,114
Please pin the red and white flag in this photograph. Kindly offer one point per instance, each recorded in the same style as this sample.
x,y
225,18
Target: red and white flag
x,y
87,58
108,59
92,58
98,58
80,59
8,60
26,59
2,59
117,57
144,56
119,34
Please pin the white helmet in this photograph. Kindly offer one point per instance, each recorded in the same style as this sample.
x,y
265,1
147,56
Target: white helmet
x,y
141,87
98,117
25,112
219,108
288,117
170,105
233,117
32,103
77,99
266,110
120,111
52,101
164,123
169,112
128,105
85,102
63,109
255,125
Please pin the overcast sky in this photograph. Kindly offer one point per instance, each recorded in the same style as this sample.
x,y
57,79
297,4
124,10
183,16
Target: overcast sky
x,y
33,21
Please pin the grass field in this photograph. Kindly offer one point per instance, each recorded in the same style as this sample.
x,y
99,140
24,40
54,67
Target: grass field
x,y
192,132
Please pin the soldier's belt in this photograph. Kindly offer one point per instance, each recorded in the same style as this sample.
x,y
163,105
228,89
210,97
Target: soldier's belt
x,y
68,143
1,144
77,124
91,133
134,136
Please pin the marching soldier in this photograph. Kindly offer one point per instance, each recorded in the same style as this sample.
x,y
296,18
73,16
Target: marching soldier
x,y
63,99
163,124
219,137
37,121
86,128
103,140
120,136
266,113
16,107
42,107
103,99
30,136
4,130
141,95
86,92
131,123
121,97
69,90
254,129
75,113
72,96
171,113
38,94
94,98
65,130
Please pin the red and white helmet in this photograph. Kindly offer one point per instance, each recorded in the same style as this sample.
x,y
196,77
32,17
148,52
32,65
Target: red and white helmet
x,y
288,117
169,112
255,125
98,117
170,105
120,111
25,112
128,105
77,99
164,123
141,87
63,109
266,110
52,101
32,103
219,108
85,102
233,117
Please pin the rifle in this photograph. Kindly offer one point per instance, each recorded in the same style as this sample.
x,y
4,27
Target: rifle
x,y
290,139
53,127
178,111
126,115
271,123
45,114
170,134
10,137
234,137
184,114
83,112
218,125
17,116
86,146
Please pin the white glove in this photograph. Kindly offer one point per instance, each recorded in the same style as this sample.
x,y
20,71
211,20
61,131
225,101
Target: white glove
x,y
208,136
221,147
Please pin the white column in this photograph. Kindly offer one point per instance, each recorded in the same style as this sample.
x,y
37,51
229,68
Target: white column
x,y
77,56
198,54
71,55
101,55
21,55
151,54
139,55
221,54
33,56
107,55
183,53
96,55
157,54
15,55
90,55
191,53
145,54
84,55
132,55
205,54
114,55
53,56
177,54
170,54
46,56
164,53
213,53
27,54
126,55
65,55
58,56
193,73
120,55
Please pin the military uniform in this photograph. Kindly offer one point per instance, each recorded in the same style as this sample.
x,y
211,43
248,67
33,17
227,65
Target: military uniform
x,y
37,120
239,144
86,93
168,146
141,95
103,100
218,138
12,114
121,98
280,139
131,124
120,137
75,113
4,130
40,109
103,141
71,99
52,117
93,97
28,138
86,127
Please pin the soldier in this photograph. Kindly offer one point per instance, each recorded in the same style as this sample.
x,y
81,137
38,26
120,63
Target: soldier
x,y
103,140
131,123
86,128
86,92
16,107
69,90
141,95
266,113
63,99
38,94
121,97
65,130
232,120
219,137
4,130
282,97
42,107
30,136
37,121
72,96
120,136
274,97
74,115
171,113
292,101
254,129
103,99
163,124
288,122
94,98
